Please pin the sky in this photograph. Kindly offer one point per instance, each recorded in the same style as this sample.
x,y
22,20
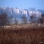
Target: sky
x,y
23,4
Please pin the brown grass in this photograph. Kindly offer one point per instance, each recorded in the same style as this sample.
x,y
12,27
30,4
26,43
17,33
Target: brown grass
x,y
22,36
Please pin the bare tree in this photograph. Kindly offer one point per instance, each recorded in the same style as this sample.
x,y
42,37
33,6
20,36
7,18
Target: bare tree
x,y
42,17
10,20
24,19
3,19
41,20
33,18
16,21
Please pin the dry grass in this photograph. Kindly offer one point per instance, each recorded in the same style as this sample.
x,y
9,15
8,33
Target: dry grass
x,y
22,36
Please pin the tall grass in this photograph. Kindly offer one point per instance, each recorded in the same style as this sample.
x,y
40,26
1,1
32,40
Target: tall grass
x,y
22,36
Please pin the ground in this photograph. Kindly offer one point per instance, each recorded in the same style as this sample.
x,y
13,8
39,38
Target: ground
x,y
22,35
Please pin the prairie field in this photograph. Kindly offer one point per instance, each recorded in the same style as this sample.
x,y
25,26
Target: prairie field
x,y
22,35
21,22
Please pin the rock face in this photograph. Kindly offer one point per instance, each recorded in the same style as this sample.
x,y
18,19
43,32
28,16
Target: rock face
x,y
18,13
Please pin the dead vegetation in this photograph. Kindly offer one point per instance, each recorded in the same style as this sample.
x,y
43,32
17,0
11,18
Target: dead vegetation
x,y
22,36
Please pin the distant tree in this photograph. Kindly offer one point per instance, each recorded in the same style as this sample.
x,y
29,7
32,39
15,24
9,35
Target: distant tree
x,y
16,21
42,17
3,19
24,19
10,20
41,20
33,18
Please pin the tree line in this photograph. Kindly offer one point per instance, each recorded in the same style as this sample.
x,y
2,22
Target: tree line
x,y
5,19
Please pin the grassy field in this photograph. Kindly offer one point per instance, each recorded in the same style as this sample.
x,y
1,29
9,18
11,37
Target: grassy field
x,y
22,36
